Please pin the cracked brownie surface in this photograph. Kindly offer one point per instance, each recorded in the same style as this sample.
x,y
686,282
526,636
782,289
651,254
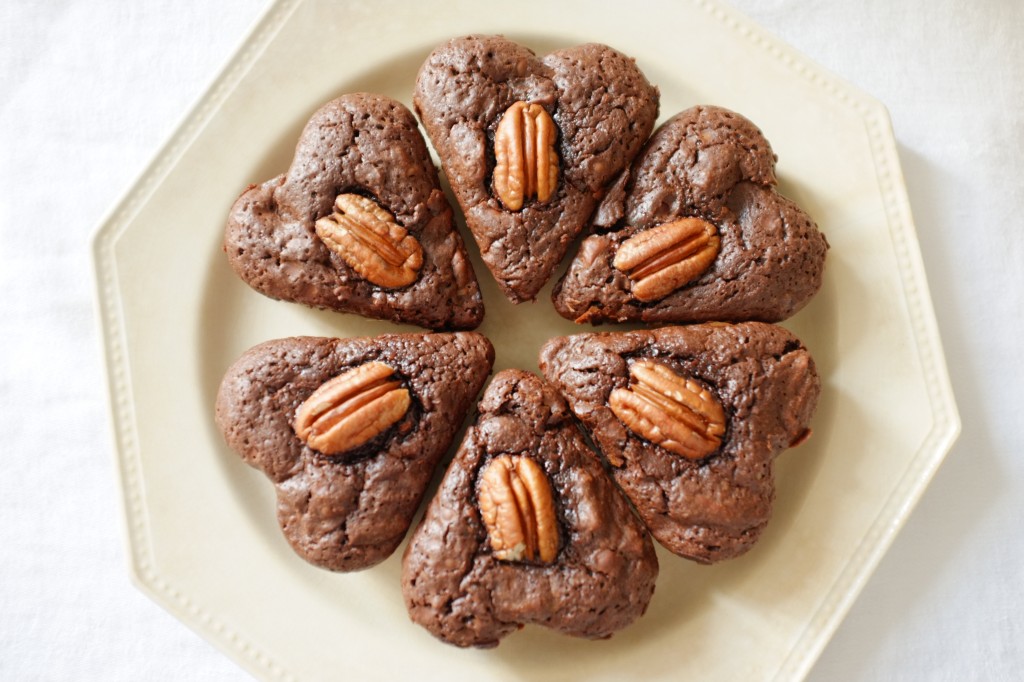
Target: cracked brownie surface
x,y
351,511
602,578
367,145
713,164
715,507
604,109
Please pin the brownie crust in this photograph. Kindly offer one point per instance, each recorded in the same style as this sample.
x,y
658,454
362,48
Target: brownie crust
x,y
348,513
713,164
370,145
604,109
604,574
717,507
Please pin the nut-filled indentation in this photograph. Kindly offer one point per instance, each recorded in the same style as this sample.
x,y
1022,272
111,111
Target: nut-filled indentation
x,y
371,242
664,258
674,412
352,409
526,162
518,510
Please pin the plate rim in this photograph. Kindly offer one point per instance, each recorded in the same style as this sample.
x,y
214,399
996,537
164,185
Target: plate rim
x,y
841,595
108,306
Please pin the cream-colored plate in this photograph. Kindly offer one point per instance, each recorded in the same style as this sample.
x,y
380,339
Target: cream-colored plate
x,y
202,536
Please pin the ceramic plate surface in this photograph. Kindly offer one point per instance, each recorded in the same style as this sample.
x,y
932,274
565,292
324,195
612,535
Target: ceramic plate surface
x,y
202,535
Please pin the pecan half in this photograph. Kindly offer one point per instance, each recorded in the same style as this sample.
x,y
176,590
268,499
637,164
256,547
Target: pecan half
x,y
351,409
526,162
518,510
664,258
370,242
677,413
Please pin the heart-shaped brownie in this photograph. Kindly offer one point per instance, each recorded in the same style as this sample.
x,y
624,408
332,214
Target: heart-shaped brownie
x,y
526,528
530,144
349,431
690,420
695,231
358,224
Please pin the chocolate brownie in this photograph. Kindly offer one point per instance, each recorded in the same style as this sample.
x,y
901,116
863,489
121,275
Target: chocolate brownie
x,y
526,528
588,110
378,434
386,249
695,231
690,420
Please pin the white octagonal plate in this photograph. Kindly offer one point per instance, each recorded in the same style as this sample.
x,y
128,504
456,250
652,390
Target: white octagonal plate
x,y
202,535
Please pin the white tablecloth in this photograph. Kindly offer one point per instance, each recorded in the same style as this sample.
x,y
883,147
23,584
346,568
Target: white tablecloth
x,y
89,90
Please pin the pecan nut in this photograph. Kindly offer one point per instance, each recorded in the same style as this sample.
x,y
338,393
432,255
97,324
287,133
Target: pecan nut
x,y
351,409
664,258
525,159
675,412
370,242
518,510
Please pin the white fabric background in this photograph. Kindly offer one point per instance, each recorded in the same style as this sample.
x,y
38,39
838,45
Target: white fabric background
x,y
89,90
